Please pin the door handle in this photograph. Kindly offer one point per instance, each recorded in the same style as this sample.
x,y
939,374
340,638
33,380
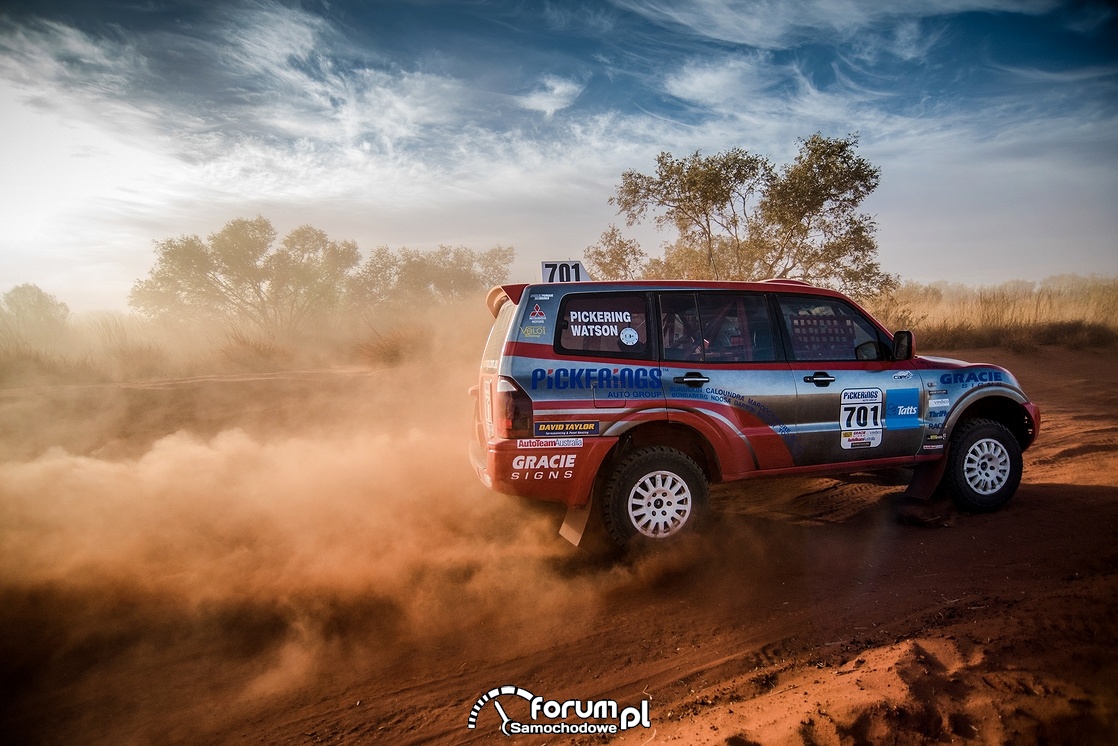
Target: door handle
x,y
820,379
692,378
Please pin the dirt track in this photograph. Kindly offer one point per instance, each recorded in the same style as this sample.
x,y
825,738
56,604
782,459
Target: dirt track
x,y
300,580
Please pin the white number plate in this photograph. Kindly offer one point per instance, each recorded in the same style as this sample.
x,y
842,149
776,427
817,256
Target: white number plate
x,y
861,418
564,272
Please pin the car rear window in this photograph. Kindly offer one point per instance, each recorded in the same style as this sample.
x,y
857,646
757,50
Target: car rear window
x,y
604,325
716,327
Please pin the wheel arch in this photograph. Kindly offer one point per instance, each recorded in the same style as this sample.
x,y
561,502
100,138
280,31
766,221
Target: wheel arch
x,y
1006,407
685,439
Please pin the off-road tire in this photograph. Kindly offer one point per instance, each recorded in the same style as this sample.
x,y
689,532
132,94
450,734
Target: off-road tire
x,y
983,465
653,495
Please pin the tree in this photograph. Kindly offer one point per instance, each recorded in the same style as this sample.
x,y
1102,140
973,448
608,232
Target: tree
x,y
445,274
34,313
239,276
614,257
707,200
739,218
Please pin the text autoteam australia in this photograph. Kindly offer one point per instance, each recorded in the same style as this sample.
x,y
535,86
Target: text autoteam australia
x,y
602,378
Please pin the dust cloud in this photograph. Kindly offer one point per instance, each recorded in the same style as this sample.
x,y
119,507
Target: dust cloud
x,y
251,531
174,551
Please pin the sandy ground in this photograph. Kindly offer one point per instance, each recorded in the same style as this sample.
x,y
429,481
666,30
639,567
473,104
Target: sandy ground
x,y
307,558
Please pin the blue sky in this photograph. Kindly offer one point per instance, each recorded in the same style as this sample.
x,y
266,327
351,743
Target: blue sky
x,y
419,123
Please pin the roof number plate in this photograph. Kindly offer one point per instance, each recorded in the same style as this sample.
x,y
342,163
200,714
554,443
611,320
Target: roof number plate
x,y
564,272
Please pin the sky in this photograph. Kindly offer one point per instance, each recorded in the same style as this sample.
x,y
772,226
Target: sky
x,y
422,123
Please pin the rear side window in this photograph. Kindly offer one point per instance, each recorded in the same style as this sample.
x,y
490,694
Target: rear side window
x,y
716,327
491,357
829,329
604,324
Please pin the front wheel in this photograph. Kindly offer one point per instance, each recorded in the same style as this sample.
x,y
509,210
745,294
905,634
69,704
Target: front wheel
x,y
654,494
983,465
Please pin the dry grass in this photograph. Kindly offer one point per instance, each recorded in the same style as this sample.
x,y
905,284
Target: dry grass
x,y
1075,312
391,347
254,352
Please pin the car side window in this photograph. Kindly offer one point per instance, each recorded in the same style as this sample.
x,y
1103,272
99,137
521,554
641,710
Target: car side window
x,y
716,327
604,325
828,329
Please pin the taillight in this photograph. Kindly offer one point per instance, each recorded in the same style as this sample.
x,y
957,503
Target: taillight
x,y
512,411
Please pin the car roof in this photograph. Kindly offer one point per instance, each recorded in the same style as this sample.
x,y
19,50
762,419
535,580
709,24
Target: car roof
x,y
514,291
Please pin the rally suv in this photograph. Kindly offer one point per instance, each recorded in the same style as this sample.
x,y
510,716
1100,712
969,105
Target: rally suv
x,y
638,395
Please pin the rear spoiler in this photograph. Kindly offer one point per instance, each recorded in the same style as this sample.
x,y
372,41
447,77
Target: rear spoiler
x,y
501,293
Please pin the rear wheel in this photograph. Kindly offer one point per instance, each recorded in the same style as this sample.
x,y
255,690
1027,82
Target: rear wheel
x,y
983,465
654,495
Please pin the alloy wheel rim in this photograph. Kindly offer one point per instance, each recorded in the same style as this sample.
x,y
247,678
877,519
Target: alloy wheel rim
x,y
986,466
659,504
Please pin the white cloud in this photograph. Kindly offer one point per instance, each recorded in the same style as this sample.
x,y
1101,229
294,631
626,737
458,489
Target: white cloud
x,y
725,83
553,95
276,122
776,24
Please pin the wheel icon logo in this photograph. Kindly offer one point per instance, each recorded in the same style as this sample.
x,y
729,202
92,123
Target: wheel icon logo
x,y
492,694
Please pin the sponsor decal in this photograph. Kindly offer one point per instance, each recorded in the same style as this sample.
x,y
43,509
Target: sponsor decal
x,y
933,447
537,315
935,436
566,428
543,466
544,461
902,410
598,323
542,716
861,409
937,392
629,336
600,378
549,443
543,296
903,375
532,332
852,439
938,414
628,394
600,317
974,376
939,403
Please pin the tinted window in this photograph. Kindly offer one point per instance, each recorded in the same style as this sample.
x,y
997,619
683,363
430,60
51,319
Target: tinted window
x,y
609,325
716,327
828,329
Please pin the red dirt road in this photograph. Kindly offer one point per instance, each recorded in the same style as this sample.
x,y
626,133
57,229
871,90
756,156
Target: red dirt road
x,y
815,611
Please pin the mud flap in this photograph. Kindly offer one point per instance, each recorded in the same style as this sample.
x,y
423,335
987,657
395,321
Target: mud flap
x,y
574,524
926,478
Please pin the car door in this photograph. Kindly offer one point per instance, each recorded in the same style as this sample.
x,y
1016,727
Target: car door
x,y
723,375
853,402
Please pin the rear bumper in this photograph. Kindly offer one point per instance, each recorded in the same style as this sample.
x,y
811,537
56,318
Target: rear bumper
x,y
558,470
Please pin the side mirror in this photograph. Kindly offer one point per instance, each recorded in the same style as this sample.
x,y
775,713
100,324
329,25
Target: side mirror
x,y
902,346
